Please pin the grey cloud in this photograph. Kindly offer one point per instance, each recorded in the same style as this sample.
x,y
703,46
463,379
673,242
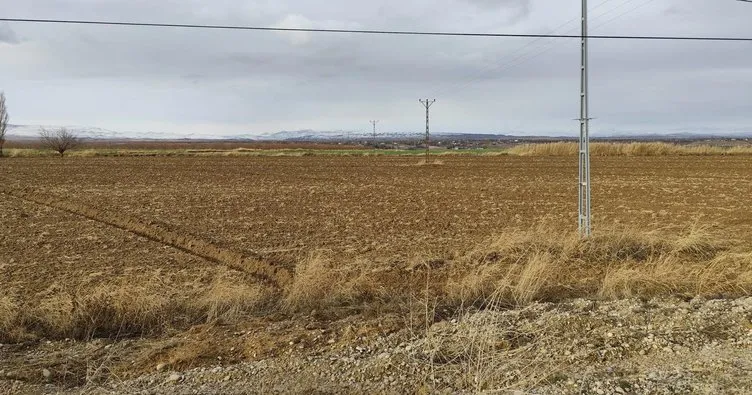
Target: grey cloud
x,y
7,35
261,81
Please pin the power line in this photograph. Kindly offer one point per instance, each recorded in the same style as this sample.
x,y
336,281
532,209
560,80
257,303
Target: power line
x,y
480,73
373,32
527,56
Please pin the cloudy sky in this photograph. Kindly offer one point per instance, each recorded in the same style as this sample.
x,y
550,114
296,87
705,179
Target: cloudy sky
x,y
210,82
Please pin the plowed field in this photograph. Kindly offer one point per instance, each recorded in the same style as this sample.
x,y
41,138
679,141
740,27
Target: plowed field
x,y
373,207
84,240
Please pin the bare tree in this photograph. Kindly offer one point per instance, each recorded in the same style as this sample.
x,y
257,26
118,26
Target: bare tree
x,y
59,140
3,121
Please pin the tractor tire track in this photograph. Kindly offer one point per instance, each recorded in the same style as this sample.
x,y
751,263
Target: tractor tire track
x,y
254,265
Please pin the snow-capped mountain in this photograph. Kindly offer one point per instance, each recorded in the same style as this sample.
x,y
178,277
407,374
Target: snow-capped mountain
x,y
22,132
28,132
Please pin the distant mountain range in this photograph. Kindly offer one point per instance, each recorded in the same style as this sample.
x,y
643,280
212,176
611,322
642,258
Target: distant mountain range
x,y
28,132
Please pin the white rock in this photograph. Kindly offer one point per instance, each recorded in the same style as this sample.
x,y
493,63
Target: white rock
x,y
174,378
46,373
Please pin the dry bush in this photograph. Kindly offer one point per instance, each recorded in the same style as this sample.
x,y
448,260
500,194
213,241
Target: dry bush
x,y
626,149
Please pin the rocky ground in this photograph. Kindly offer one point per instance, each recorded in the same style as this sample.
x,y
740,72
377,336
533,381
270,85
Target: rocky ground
x,y
662,346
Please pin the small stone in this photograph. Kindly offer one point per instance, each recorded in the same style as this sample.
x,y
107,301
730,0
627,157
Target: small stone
x,y
161,366
697,302
46,373
174,378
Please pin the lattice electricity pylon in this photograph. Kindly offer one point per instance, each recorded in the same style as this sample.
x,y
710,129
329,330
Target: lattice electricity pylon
x,y
374,130
427,104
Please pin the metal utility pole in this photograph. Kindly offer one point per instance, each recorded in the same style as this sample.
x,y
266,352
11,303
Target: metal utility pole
x,y
427,104
584,147
374,131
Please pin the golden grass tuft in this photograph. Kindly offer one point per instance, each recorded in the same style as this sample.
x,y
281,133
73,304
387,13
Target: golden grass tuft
x,y
9,316
521,267
626,149
323,282
127,309
435,162
229,301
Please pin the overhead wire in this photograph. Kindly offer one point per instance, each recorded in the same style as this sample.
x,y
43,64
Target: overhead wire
x,y
495,66
524,57
373,32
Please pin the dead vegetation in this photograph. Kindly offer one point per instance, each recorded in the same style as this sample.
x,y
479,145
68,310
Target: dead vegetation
x,y
627,149
510,270
519,267
127,309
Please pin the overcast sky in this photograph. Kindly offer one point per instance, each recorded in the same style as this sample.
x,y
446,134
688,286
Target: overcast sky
x,y
232,82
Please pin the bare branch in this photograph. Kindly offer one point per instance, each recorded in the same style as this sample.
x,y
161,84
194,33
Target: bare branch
x,y
59,140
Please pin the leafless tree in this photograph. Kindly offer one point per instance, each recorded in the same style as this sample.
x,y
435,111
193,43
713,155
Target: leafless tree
x,y
3,121
59,140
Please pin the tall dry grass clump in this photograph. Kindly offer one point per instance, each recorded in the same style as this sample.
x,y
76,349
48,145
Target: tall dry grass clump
x,y
131,308
322,281
227,301
9,317
542,265
626,149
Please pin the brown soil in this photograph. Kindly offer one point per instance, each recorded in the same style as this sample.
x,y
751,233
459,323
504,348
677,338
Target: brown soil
x,y
184,225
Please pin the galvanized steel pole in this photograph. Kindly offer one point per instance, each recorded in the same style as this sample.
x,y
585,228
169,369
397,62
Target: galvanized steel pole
x,y
584,146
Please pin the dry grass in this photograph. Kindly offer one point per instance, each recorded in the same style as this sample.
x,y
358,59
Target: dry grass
x,y
435,162
228,301
627,149
520,267
541,264
512,269
127,309
323,282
